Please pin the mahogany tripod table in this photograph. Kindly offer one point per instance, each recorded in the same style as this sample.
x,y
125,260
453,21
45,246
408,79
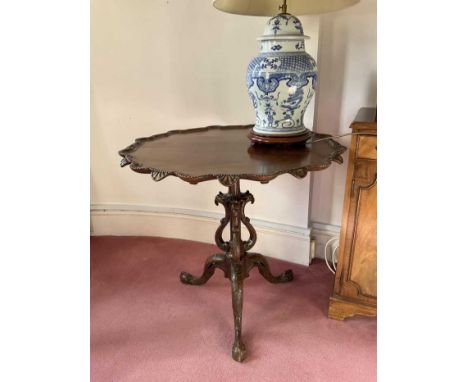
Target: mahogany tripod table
x,y
225,153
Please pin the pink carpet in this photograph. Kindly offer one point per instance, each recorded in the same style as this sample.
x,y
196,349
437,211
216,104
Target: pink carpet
x,y
147,326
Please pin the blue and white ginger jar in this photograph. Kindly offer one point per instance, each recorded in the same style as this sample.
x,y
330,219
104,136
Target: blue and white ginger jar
x,y
281,80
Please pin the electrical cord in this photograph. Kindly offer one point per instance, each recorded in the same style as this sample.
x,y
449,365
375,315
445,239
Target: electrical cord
x,y
339,136
334,260
333,270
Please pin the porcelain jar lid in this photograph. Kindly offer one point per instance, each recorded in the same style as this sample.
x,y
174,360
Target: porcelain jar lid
x,y
283,27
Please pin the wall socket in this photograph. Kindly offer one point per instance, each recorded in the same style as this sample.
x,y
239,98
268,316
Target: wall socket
x,y
312,250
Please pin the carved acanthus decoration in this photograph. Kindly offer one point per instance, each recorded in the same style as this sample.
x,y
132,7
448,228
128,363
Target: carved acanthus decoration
x,y
159,175
228,180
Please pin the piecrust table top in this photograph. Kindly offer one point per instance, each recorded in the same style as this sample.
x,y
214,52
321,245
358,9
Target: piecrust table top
x,y
225,153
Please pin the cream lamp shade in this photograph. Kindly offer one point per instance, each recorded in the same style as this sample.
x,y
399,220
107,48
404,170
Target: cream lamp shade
x,y
271,7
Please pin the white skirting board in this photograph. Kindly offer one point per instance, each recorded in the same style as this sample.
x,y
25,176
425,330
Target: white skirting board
x,y
322,233
281,241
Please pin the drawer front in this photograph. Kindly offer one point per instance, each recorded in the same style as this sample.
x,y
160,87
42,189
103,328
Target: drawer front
x,y
367,147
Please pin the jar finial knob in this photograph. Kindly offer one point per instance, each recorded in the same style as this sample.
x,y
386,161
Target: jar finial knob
x,y
284,7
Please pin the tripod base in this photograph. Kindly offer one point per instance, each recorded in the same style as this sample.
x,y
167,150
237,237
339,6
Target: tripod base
x,y
222,262
236,263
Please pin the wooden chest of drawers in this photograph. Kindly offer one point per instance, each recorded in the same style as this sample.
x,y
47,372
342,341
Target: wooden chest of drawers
x,y
355,288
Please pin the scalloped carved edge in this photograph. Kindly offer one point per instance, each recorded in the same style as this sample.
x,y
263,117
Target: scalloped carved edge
x,y
159,175
225,179
124,162
299,173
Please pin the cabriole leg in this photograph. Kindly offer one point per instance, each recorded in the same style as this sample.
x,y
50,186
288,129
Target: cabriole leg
x,y
238,348
259,261
236,202
213,262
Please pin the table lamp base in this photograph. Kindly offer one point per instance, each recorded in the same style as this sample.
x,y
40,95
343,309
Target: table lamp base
x,y
279,139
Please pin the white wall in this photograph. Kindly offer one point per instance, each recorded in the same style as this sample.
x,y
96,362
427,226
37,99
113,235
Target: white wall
x,y
177,64
347,81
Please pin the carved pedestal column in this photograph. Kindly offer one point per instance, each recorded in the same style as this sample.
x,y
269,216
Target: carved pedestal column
x,y
236,262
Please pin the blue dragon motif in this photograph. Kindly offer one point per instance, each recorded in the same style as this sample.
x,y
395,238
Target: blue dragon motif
x,y
280,87
292,103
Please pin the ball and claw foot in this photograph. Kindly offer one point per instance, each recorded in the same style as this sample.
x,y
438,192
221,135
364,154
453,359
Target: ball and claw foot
x,y
215,261
238,351
187,278
286,276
